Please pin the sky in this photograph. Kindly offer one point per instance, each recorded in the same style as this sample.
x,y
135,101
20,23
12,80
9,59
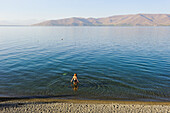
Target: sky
x,y
33,11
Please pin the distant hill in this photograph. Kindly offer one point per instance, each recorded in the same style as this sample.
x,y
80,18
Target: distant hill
x,y
118,20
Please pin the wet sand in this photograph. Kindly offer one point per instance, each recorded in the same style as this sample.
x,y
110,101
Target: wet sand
x,y
82,106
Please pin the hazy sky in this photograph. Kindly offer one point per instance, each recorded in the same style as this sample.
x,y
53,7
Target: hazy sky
x,y
36,10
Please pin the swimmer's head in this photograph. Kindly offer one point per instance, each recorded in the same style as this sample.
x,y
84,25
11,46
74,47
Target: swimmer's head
x,y
75,74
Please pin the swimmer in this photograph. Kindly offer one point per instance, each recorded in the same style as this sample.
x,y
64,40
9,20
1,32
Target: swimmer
x,y
74,79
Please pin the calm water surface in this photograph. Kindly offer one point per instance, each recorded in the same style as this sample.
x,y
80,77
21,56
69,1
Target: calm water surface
x,y
117,63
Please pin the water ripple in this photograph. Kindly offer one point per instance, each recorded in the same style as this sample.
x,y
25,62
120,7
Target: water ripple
x,y
110,64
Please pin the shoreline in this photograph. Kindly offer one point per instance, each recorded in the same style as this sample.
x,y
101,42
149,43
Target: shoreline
x,y
75,105
75,97
20,99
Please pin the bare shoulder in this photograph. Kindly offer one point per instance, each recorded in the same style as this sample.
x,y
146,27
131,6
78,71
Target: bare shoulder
x,y
74,77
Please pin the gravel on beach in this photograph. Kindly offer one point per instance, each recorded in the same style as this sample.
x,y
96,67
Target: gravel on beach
x,y
64,107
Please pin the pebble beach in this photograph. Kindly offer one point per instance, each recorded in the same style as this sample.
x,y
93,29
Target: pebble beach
x,y
82,106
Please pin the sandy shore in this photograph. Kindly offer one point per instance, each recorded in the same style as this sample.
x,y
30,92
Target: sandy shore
x,y
82,106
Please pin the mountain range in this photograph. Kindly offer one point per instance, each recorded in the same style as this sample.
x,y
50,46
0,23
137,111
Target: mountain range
x,y
118,20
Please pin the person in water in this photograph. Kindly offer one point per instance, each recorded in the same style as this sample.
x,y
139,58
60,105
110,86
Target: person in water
x,y
74,79
75,82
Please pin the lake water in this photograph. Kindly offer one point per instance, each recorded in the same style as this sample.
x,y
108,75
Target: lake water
x,y
115,63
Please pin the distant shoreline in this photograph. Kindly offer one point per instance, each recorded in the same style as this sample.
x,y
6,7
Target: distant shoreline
x,y
12,25
79,26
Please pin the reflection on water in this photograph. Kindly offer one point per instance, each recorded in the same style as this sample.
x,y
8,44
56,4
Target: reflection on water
x,y
129,63
74,86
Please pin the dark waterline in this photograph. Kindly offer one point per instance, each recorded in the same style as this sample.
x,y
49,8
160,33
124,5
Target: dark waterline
x,y
115,63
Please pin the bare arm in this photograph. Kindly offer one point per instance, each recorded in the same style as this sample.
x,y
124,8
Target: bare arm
x,y
71,80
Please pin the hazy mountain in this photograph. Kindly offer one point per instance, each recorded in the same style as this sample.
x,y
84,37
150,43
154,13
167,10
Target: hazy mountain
x,y
119,20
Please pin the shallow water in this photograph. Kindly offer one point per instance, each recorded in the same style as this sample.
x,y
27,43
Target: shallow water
x,y
118,63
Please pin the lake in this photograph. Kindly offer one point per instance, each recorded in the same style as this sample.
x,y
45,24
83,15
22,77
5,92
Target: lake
x,y
112,63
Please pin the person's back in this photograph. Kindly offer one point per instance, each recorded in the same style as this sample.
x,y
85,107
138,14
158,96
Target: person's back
x,y
74,79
